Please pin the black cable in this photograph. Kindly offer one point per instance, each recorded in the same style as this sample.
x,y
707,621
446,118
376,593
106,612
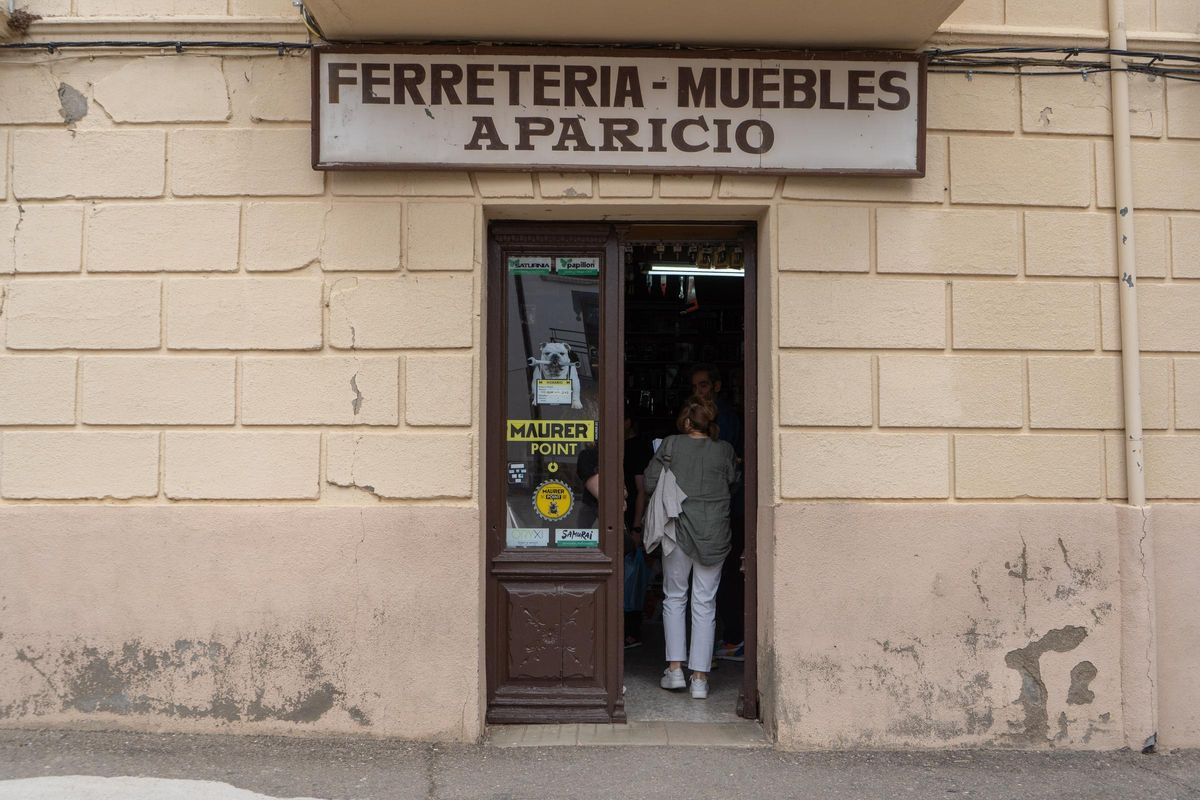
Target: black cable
x,y
177,45
961,60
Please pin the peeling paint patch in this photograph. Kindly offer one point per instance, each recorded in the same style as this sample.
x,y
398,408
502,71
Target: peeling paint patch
x,y
73,106
294,676
1082,674
1027,661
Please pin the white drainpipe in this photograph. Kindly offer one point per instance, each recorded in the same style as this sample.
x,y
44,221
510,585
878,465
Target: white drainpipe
x,y
1135,473
1139,640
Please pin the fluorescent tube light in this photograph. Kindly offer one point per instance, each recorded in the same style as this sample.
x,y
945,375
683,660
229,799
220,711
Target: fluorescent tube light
x,y
693,271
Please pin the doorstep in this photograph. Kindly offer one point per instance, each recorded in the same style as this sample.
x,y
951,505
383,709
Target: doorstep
x,y
694,734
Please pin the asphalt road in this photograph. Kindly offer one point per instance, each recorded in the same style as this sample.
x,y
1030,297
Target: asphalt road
x,y
333,769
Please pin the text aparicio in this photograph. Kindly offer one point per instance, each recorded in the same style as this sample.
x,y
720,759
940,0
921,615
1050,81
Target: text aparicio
x,y
547,86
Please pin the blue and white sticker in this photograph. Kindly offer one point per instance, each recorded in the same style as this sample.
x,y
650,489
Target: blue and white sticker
x,y
528,537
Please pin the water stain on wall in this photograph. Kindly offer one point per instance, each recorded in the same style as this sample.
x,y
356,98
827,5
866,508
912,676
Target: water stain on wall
x,y
294,676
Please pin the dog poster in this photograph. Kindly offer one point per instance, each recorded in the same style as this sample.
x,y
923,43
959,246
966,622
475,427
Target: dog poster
x,y
555,376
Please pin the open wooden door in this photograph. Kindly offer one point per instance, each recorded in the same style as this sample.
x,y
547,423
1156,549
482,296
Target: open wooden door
x,y
554,385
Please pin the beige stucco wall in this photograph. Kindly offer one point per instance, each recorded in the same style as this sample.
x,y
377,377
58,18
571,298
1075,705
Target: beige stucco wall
x,y
240,404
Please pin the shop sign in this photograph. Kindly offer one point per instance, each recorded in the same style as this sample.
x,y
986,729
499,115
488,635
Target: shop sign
x,y
620,110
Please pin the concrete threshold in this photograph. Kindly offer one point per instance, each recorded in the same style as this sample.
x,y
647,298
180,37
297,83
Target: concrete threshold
x,y
745,734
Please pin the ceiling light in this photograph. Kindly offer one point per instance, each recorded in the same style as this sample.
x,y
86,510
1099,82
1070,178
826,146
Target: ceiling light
x,y
694,271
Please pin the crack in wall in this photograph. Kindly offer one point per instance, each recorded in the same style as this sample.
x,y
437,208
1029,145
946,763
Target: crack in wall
x,y
1023,575
356,403
1152,739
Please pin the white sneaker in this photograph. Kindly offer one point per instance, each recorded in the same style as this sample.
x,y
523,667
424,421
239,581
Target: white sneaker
x,y
673,679
699,688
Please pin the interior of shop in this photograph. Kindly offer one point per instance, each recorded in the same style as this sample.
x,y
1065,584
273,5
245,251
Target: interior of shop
x,y
684,322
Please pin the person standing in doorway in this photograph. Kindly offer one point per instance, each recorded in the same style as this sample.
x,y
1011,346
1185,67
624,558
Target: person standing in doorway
x,y
706,384
705,468
731,599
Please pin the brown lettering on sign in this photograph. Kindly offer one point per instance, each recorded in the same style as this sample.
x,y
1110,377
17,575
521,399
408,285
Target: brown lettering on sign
x,y
577,82
476,81
858,90
528,127
825,87
765,80
554,106
722,126
409,78
485,131
542,82
728,97
681,143
766,136
514,81
572,133
622,130
893,81
442,82
370,81
337,80
697,91
657,124
629,88
798,88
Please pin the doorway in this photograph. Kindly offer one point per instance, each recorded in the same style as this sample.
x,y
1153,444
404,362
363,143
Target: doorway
x,y
596,332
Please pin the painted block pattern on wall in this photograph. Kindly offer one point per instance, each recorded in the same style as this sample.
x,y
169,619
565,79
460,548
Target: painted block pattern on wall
x,y
949,337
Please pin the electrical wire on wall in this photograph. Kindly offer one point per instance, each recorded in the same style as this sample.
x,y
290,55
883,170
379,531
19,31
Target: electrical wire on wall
x,y
1038,61
1026,61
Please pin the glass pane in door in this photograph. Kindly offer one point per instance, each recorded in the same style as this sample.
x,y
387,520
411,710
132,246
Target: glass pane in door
x,y
552,402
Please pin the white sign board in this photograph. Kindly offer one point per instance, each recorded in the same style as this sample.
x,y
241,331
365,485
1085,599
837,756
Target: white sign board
x,y
621,110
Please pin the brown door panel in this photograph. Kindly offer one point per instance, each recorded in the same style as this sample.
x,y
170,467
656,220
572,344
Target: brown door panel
x,y
552,633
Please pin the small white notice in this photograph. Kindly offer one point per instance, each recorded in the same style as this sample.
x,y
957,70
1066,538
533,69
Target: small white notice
x,y
554,392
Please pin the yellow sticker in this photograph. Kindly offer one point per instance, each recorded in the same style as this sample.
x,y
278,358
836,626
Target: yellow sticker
x,y
552,467
552,500
558,430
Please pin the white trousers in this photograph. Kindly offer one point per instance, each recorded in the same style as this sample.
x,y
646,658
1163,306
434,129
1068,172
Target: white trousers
x,y
705,580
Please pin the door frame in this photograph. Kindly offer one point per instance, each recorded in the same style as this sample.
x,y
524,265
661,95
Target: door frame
x,y
612,388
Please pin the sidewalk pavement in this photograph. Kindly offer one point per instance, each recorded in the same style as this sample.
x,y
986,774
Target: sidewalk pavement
x,y
364,769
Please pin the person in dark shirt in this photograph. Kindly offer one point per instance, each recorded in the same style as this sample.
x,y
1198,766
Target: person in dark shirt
x,y
637,454
706,384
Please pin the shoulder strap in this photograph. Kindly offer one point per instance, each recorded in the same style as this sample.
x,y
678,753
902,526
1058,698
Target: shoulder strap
x,y
668,449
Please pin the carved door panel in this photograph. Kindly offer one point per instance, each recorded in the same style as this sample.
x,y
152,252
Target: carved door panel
x,y
554,389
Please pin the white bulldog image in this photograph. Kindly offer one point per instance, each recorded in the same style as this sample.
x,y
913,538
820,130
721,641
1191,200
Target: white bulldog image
x,y
555,364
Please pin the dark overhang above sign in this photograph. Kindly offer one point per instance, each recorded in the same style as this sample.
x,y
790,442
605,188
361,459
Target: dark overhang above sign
x,y
618,109
823,24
